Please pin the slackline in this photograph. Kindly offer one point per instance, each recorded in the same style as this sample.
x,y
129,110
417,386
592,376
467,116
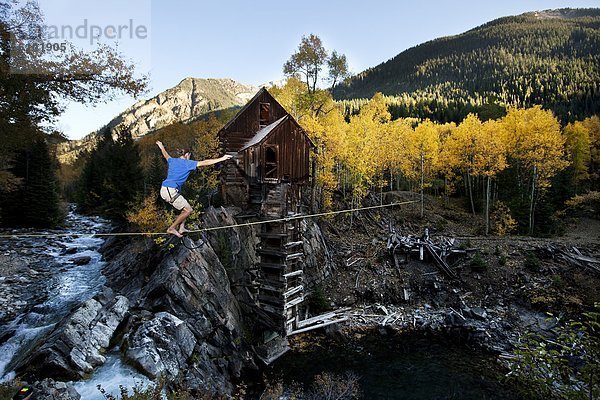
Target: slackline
x,y
215,228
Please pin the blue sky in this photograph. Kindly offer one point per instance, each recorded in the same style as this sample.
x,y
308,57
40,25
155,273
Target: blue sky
x,y
250,40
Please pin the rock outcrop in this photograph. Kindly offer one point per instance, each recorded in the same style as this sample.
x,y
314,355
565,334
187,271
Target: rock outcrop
x,y
191,98
318,262
161,346
74,348
187,323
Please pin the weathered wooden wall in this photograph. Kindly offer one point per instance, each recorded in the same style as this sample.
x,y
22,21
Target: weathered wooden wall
x,y
237,133
292,150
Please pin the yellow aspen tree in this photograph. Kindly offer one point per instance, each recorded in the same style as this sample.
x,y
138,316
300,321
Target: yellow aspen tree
x,y
444,132
489,158
362,150
423,152
326,129
593,126
396,144
459,151
537,146
577,145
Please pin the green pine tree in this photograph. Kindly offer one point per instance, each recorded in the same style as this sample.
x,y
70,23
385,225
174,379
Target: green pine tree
x,y
36,202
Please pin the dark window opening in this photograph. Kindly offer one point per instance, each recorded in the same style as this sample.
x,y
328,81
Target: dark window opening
x,y
265,114
271,162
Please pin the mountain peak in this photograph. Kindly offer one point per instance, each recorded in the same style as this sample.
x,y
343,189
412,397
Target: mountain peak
x,y
190,98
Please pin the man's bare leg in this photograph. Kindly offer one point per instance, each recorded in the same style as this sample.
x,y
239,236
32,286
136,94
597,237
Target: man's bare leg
x,y
182,228
173,229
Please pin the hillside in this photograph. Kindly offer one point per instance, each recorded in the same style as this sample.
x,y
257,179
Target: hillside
x,y
550,57
191,98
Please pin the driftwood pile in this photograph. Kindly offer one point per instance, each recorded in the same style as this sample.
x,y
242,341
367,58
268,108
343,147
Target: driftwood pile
x,y
571,256
442,251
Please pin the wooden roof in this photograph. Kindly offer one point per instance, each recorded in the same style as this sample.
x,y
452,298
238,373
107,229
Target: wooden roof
x,y
260,92
262,134
246,106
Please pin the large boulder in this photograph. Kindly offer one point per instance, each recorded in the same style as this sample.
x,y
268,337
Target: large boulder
x,y
161,346
74,348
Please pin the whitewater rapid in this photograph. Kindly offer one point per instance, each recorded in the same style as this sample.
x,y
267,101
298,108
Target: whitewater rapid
x,y
68,288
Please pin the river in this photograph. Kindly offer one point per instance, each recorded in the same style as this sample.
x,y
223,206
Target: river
x,y
70,286
396,366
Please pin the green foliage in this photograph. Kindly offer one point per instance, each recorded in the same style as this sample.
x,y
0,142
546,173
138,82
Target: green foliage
x,y
35,202
557,282
478,263
9,389
317,302
532,262
502,260
112,178
465,245
565,365
519,61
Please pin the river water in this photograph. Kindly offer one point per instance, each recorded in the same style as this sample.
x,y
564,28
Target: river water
x,y
69,287
396,366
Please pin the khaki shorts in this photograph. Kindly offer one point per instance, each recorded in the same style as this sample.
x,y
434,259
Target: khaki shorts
x,y
172,196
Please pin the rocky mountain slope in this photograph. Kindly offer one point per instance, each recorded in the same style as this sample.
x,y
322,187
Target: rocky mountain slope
x,y
191,98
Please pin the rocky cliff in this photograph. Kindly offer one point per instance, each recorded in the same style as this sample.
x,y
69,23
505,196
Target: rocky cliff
x,y
180,311
191,98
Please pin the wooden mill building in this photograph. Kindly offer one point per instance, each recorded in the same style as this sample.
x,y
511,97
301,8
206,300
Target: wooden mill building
x,y
272,162
269,147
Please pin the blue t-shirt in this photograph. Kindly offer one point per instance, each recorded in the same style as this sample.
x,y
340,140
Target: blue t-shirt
x,y
179,170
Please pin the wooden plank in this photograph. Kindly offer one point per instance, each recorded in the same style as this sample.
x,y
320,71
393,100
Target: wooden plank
x,y
292,274
273,235
312,320
293,244
294,256
310,328
293,291
294,302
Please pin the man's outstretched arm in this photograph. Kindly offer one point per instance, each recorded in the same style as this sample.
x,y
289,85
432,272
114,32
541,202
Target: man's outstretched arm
x,y
162,150
205,163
